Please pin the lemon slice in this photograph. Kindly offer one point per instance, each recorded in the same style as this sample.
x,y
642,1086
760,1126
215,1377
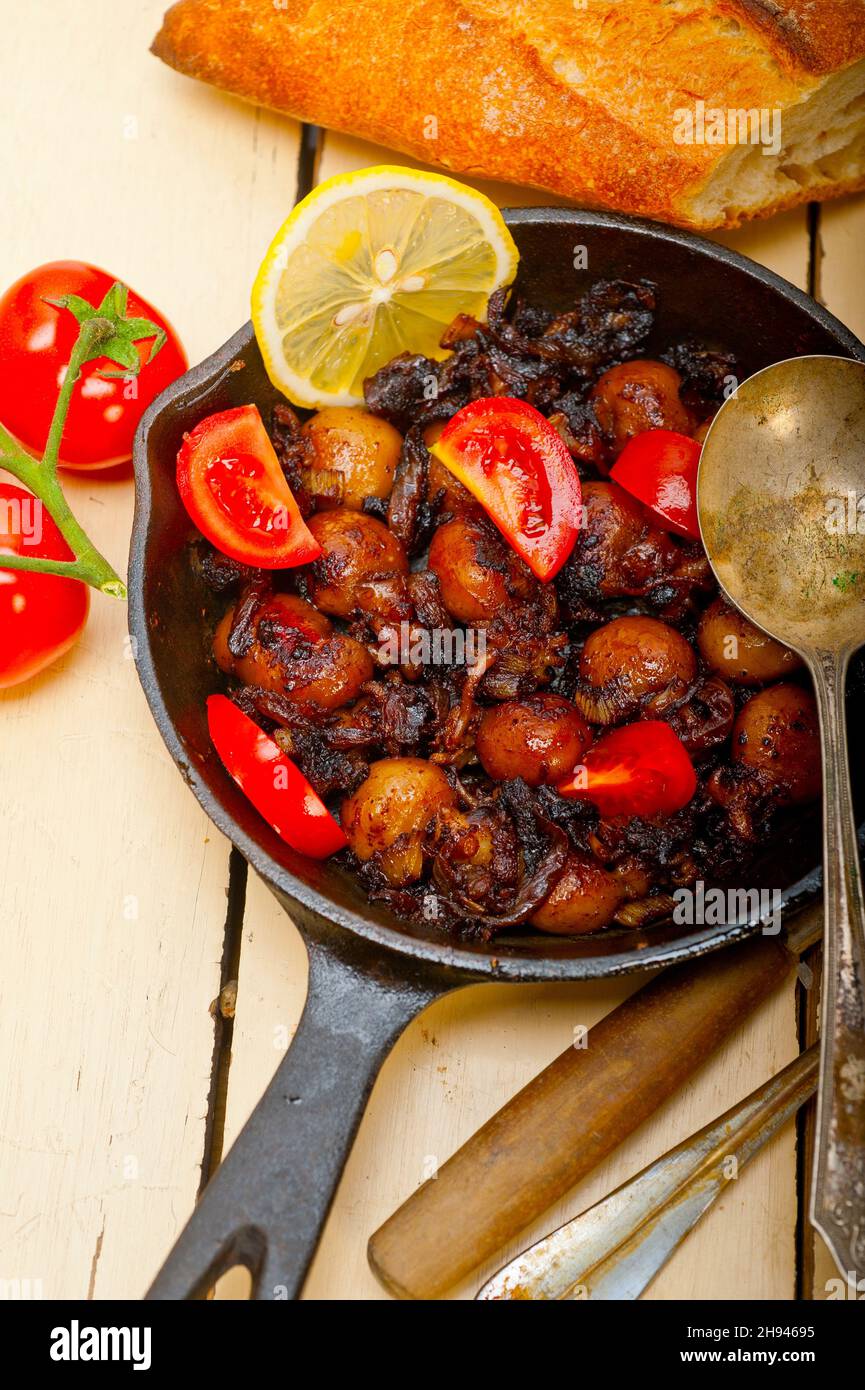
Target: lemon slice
x,y
371,264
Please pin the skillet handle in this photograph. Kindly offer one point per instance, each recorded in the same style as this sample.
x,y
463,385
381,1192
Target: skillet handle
x,y
266,1204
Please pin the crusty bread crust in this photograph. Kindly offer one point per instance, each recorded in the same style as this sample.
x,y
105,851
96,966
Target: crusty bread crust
x,y
579,101
816,37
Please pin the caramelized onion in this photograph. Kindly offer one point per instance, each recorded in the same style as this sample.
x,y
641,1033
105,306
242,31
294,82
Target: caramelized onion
x,y
536,887
324,482
645,911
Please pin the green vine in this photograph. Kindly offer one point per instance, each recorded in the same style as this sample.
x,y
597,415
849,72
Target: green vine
x,y
104,331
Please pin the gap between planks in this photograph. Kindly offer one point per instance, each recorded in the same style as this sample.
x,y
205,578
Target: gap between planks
x,y
223,1021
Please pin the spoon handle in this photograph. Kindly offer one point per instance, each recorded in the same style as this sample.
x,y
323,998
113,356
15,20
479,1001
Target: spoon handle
x,y
838,1192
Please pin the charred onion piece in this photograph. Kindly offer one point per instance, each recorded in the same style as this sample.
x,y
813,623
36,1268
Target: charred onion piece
x,y
705,720
645,911
536,887
408,499
254,594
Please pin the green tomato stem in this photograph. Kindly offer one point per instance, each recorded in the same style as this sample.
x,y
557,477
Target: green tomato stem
x,y
41,479
92,333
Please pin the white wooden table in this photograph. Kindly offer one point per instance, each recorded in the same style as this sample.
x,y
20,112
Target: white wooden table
x,y
114,881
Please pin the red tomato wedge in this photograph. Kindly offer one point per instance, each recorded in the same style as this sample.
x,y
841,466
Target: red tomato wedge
x,y
659,468
518,467
41,615
273,783
639,770
235,491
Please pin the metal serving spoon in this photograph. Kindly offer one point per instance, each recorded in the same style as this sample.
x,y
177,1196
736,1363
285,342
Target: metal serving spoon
x,y
781,500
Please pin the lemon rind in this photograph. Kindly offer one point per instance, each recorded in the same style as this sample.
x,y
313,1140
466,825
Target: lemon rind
x,y
297,388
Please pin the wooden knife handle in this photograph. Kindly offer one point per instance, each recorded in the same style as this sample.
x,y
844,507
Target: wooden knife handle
x,y
570,1117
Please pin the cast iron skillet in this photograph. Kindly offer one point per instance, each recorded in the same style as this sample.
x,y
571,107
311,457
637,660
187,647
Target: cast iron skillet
x,y
369,973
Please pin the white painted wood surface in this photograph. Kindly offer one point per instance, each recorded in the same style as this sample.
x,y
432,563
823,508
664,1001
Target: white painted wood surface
x,y
114,881
104,1024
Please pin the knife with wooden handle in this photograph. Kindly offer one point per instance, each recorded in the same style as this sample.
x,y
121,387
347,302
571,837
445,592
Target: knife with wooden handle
x,y
576,1112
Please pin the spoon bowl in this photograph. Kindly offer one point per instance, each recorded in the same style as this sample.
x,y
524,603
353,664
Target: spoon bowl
x,y
781,474
781,502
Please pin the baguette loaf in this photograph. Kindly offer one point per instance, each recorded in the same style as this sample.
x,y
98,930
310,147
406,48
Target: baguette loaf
x,y
699,112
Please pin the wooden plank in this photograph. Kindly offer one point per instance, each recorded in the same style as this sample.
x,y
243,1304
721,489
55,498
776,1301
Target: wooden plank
x,y
341,152
468,1053
841,261
114,910
236,173
114,880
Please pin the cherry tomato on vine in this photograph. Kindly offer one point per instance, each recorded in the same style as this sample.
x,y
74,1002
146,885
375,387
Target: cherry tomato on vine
x,y
232,486
518,467
41,615
36,340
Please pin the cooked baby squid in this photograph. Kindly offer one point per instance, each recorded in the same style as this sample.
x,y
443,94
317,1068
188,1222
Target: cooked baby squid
x,y
540,739
585,898
738,650
360,565
625,551
449,494
354,456
389,816
641,655
480,576
777,732
637,396
296,652
477,858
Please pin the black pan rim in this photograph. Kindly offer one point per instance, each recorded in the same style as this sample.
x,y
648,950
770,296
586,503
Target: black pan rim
x,y
291,891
